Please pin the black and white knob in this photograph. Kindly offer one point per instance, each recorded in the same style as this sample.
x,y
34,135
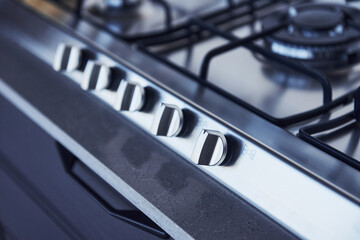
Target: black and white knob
x,y
130,96
96,76
67,58
168,121
210,148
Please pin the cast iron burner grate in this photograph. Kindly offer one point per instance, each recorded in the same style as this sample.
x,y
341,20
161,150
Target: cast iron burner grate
x,y
197,28
350,119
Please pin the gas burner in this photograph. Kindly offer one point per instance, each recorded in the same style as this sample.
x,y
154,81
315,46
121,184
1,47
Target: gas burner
x,y
318,34
121,4
115,8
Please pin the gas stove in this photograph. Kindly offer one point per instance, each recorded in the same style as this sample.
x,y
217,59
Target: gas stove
x,y
262,96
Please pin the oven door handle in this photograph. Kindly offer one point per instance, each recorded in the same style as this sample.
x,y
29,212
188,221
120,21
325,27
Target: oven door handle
x,y
134,217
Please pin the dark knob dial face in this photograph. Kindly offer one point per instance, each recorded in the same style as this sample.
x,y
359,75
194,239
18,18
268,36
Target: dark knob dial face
x,y
210,149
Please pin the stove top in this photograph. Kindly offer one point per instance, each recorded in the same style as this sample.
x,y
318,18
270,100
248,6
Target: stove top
x,y
294,65
318,67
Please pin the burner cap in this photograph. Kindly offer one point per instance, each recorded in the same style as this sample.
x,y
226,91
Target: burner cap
x,y
318,34
317,18
121,4
113,9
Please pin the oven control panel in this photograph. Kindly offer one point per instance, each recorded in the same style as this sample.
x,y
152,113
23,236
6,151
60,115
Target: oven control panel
x,y
247,167
194,136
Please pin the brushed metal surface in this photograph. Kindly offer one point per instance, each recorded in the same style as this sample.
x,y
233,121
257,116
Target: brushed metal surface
x,y
148,178
298,189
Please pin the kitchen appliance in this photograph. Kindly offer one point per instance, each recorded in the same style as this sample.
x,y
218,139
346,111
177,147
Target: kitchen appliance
x,y
260,98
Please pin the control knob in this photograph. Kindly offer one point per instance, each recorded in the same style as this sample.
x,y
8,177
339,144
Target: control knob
x,y
168,121
130,96
96,76
67,58
210,148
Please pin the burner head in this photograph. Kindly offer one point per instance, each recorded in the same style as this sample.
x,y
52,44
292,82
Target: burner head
x,y
121,4
113,8
318,34
316,18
